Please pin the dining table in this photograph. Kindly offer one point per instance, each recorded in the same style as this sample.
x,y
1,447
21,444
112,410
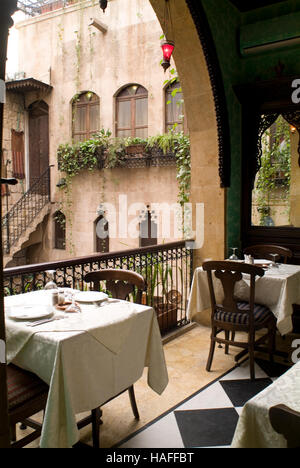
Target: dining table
x,y
254,428
278,289
86,358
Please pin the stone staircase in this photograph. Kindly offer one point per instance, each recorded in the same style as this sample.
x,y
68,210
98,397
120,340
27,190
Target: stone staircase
x,y
25,216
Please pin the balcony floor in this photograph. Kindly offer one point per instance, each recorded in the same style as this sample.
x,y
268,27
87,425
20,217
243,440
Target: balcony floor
x,y
186,358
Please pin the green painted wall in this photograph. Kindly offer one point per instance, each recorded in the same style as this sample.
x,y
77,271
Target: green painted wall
x,y
225,22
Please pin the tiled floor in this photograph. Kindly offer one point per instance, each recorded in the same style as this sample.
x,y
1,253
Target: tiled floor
x,y
186,358
208,418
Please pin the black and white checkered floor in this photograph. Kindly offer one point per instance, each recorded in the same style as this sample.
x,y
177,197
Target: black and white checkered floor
x,y
209,417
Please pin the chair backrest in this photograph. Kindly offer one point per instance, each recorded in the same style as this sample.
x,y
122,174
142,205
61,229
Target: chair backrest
x,y
120,283
265,251
286,421
229,273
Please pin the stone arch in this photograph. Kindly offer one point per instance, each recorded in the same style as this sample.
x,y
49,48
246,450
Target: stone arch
x,y
126,85
203,98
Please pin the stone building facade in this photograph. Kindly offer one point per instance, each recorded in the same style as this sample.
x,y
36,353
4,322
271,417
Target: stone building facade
x,y
77,51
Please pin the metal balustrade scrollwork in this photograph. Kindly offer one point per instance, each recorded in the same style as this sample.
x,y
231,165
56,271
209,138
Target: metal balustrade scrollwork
x,y
151,157
167,270
21,215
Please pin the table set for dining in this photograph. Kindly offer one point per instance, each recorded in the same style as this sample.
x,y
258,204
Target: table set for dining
x,y
254,429
278,289
86,357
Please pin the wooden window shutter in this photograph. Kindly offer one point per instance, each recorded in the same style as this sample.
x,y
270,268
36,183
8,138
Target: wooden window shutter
x,y
17,149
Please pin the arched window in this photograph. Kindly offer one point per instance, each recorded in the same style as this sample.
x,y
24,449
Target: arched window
x,y
85,116
148,230
102,234
174,107
132,112
59,230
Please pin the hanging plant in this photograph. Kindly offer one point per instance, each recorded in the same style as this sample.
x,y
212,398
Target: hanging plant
x,y
103,150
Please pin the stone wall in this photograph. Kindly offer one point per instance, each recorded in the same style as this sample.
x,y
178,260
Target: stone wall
x,y
200,111
82,58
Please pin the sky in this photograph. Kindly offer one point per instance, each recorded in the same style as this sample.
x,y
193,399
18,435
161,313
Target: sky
x,y
12,64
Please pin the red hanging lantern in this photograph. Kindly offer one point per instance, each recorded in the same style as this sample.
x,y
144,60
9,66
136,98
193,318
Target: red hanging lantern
x,y
167,48
167,44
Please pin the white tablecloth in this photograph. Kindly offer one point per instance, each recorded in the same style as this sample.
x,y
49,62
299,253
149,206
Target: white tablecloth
x,y
278,289
254,429
86,359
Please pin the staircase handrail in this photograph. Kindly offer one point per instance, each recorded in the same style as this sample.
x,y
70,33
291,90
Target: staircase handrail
x,y
11,218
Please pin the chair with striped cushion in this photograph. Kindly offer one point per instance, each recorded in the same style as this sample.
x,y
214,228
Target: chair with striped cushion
x,y
27,395
234,315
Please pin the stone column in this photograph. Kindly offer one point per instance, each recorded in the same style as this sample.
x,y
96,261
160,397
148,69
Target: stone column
x,y
7,9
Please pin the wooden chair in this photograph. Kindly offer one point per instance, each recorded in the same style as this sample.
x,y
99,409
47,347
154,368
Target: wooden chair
x,y
27,395
265,251
120,283
235,315
286,421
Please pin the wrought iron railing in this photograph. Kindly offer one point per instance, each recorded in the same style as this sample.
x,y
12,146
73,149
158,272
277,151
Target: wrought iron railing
x,y
150,157
136,158
166,268
22,214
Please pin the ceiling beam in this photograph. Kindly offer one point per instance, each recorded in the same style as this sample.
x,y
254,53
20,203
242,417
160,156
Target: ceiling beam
x,y
99,25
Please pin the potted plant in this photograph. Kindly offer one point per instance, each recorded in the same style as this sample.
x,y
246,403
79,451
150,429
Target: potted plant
x,y
159,297
165,309
135,146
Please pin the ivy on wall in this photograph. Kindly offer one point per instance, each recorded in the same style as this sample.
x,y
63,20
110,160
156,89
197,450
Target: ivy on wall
x,y
105,151
274,176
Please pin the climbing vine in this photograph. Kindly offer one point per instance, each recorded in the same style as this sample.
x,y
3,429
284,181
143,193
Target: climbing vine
x,y
274,177
104,151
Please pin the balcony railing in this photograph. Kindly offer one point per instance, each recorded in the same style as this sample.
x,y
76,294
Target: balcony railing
x,y
166,268
133,157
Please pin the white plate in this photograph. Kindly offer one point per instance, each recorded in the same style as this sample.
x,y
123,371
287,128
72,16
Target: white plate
x,y
90,297
262,261
27,312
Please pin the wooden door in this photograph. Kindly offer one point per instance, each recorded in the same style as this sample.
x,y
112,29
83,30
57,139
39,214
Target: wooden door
x,y
102,235
148,232
38,140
